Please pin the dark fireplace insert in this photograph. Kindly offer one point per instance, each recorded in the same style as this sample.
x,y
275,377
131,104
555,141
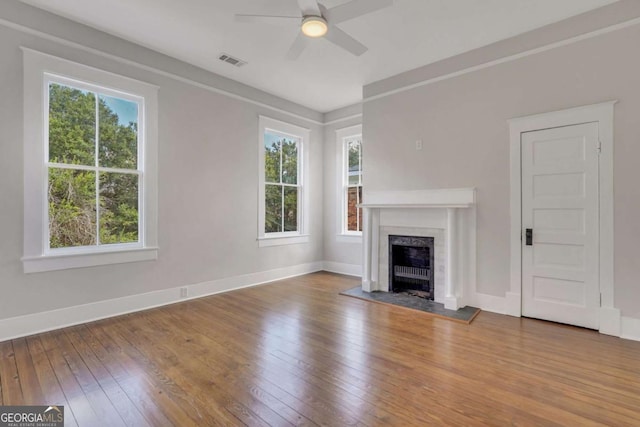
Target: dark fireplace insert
x,y
411,265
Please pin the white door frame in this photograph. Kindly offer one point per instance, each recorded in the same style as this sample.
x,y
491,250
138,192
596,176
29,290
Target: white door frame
x,y
603,114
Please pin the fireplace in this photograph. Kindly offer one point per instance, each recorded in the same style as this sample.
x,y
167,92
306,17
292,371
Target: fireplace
x,y
411,265
446,215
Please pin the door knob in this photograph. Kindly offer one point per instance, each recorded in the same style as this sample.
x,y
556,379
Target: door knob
x,y
529,236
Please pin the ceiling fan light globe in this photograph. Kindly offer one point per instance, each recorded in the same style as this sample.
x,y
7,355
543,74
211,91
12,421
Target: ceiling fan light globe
x,y
314,26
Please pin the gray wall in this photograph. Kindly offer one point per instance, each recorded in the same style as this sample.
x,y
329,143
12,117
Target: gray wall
x,y
208,181
337,251
463,122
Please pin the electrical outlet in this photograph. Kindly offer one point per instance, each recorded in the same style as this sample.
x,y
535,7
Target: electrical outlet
x,y
184,292
419,144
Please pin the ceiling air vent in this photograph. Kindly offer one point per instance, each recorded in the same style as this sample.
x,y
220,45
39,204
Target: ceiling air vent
x,y
231,60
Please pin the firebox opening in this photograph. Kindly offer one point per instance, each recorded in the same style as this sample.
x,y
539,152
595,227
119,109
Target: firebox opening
x,y
411,265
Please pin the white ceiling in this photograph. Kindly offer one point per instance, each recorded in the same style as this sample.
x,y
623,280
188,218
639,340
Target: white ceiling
x,y
407,35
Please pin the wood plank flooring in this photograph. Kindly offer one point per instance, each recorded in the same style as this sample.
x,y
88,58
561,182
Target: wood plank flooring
x,y
296,353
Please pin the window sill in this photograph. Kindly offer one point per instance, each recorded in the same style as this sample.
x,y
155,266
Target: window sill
x,y
264,242
349,238
43,263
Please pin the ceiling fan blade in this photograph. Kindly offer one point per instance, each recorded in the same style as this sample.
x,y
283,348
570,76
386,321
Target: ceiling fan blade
x,y
309,7
268,19
298,46
353,9
345,41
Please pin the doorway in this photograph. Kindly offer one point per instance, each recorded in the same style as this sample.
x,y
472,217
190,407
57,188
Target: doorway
x,y
560,267
562,216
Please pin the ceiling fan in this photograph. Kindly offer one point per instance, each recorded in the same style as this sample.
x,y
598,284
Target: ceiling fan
x,y
318,21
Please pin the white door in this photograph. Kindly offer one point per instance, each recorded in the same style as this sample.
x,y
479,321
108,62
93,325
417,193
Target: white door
x,y
560,264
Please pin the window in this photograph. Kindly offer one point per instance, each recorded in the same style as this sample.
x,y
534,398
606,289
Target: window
x,y
282,191
349,147
353,183
93,174
90,159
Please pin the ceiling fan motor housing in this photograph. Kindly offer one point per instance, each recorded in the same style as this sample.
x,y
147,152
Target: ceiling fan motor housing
x,y
314,26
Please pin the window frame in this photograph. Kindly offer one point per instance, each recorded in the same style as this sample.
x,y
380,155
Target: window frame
x,y
139,171
302,134
343,136
40,70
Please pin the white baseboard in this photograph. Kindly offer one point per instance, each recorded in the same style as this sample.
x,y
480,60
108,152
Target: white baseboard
x,y
610,321
20,326
30,324
487,302
341,268
630,328
513,304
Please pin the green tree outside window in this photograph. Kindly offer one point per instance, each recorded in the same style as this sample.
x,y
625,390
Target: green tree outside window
x,y
93,178
282,190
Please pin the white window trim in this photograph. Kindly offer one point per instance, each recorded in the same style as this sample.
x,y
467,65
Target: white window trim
x,y
38,67
290,237
344,235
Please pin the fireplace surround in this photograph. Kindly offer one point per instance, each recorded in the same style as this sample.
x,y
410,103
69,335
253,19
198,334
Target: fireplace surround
x,y
447,215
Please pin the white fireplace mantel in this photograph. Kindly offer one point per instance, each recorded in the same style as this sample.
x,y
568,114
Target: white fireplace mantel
x,y
451,200
439,198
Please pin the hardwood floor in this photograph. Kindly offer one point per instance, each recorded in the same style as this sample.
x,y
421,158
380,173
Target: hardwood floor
x,y
296,353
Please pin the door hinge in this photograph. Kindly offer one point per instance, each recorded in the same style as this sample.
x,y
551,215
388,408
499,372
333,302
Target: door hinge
x,y
600,300
599,146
